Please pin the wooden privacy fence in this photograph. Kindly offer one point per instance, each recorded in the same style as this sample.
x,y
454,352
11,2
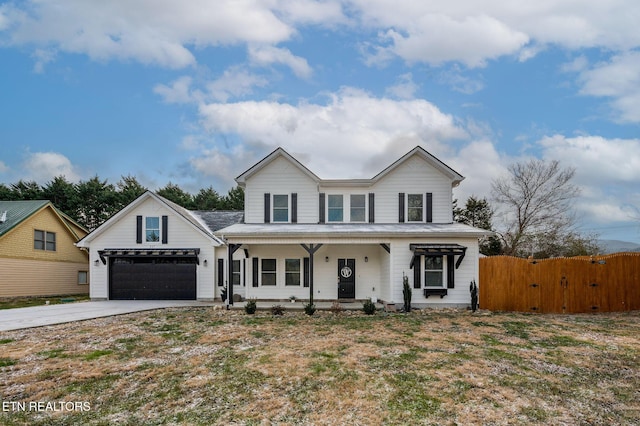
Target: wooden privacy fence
x,y
563,285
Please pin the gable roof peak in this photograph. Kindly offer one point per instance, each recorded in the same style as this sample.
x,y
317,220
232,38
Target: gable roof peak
x,y
275,154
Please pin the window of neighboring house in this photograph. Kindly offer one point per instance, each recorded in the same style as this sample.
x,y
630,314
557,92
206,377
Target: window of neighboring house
x,y
415,203
268,272
235,273
357,208
292,272
83,277
281,208
336,208
434,271
43,240
152,227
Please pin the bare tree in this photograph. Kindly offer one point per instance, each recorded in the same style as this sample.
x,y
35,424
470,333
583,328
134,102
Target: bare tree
x,y
535,205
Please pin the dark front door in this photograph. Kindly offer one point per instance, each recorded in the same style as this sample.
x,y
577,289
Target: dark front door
x,y
346,278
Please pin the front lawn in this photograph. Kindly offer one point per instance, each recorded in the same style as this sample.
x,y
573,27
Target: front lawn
x,y
206,366
24,302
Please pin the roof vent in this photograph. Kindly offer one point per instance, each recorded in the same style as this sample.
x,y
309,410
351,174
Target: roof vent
x,y
3,219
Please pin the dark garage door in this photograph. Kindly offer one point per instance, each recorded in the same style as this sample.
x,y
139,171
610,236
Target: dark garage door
x,y
152,279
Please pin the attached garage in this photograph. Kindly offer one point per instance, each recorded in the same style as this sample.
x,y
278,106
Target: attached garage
x,y
168,274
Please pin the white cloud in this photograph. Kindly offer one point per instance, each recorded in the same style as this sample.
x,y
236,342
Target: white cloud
x,y
3,167
351,123
234,82
404,89
179,92
44,166
149,32
267,55
618,79
607,171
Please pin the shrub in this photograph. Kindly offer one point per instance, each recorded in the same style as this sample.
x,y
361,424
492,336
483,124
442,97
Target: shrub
x,y
309,308
369,307
277,310
336,307
250,307
406,293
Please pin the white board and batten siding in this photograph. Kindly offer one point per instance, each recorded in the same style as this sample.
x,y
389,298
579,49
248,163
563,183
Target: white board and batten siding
x,y
414,176
459,296
281,177
122,234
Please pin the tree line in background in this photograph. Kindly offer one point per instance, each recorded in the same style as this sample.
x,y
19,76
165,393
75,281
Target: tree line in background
x,y
534,207
534,212
92,202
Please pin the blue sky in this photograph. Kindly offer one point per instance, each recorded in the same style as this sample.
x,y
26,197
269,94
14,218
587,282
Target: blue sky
x,y
195,92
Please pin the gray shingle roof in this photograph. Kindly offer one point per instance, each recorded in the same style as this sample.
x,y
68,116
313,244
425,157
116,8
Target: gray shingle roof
x,y
218,219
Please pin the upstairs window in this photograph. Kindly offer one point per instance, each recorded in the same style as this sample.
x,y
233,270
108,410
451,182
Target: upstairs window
x,y
358,208
152,229
415,208
43,240
336,208
433,271
280,208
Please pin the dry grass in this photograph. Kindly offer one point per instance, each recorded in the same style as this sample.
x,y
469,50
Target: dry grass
x,y
206,366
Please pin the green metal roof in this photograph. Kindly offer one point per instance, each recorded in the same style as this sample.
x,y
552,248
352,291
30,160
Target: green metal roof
x,y
16,212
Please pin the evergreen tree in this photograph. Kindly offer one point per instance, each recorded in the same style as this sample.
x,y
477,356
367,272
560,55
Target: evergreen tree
x,y
478,213
98,201
29,190
62,194
174,193
128,190
234,200
207,199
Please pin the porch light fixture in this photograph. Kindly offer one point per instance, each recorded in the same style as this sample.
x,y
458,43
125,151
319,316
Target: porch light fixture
x,y
326,258
96,262
204,262
366,259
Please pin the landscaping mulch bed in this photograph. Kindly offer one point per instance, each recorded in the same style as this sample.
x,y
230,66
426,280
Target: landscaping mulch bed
x,y
210,366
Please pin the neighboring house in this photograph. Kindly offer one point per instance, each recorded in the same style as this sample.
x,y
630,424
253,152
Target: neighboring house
x,y
154,249
300,236
37,252
353,238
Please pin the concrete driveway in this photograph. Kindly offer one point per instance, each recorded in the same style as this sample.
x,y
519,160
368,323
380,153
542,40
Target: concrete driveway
x,y
37,316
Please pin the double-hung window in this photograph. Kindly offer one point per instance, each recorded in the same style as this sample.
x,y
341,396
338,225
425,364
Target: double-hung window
x,y
268,272
357,207
280,208
415,208
336,208
43,240
292,272
235,272
152,229
434,271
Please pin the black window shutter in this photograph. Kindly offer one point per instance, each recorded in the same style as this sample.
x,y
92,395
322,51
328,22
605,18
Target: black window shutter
x,y
294,208
451,267
321,208
267,208
220,272
305,271
372,207
139,229
401,207
165,229
254,271
429,207
244,272
417,272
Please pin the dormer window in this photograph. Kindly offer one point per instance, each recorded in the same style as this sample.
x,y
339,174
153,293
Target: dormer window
x,y
415,208
358,208
281,208
152,229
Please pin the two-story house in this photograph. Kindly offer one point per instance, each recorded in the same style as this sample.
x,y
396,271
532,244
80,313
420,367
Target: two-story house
x,y
308,237
299,236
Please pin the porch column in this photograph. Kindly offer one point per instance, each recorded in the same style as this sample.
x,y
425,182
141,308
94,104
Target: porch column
x,y
232,249
311,249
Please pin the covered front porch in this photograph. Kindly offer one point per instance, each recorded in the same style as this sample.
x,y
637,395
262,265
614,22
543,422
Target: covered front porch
x,y
317,272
